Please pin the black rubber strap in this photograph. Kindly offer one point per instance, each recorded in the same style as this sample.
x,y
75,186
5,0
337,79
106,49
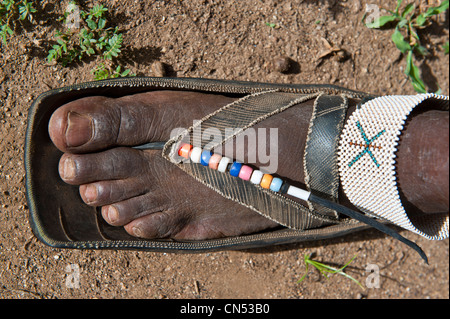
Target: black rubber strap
x,y
150,146
320,160
369,221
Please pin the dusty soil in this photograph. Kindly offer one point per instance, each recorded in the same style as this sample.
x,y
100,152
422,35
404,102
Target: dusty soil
x,y
225,40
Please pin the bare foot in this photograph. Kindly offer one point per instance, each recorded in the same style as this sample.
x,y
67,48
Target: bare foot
x,y
143,192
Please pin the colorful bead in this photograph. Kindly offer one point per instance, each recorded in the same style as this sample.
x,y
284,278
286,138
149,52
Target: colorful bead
x,y
206,156
223,164
298,193
245,172
235,168
276,184
214,161
266,181
257,175
284,188
196,154
185,150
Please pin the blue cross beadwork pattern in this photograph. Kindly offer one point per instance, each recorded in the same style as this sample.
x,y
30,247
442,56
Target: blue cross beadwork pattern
x,y
367,145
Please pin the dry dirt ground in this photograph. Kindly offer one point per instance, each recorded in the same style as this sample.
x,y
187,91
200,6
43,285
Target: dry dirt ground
x,y
224,40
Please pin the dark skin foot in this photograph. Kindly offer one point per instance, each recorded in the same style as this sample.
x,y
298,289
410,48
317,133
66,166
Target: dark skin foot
x,y
152,198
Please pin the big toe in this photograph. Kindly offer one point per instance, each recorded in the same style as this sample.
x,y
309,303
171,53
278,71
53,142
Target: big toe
x,y
84,125
96,123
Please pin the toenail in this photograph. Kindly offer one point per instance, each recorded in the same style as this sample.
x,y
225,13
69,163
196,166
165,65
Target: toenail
x,y
137,231
113,214
79,129
90,193
68,169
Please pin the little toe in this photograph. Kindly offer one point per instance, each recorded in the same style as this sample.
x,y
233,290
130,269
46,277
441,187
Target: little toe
x,y
162,224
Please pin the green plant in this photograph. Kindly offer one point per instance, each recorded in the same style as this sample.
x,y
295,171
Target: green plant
x,y
445,47
326,269
11,13
102,72
406,37
86,34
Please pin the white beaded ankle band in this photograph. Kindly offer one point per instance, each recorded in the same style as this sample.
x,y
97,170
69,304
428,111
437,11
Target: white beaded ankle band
x,y
366,159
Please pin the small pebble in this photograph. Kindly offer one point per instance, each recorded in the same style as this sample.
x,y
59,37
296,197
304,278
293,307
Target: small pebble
x,y
282,64
158,69
341,55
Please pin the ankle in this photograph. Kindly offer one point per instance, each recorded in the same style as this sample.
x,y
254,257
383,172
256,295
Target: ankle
x,y
423,170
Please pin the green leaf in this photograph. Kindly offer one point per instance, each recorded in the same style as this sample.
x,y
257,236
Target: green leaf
x,y
305,258
381,21
125,73
91,24
101,23
100,72
9,4
51,55
25,10
272,25
23,15
399,41
437,10
421,50
402,23
113,46
62,44
99,45
408,9
445,47
413,72
97,11
420,20
399,2
9,30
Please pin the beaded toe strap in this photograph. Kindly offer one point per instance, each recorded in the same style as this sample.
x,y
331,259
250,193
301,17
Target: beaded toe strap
x,y
253,189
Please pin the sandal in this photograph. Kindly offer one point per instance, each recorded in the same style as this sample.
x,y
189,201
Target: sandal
x,y
59,218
